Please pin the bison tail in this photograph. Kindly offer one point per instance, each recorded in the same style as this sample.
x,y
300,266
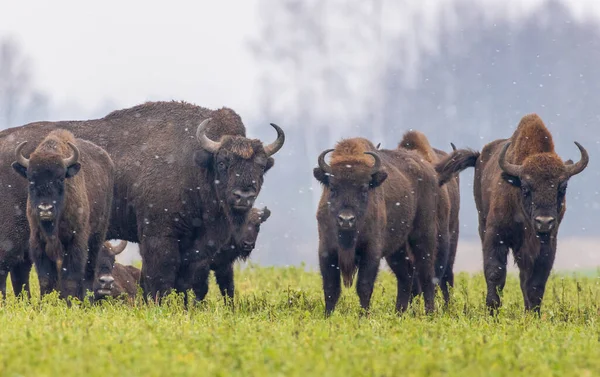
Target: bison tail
x,y
347,267
454,163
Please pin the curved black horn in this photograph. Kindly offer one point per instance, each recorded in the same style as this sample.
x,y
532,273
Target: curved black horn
x,y
275,146
453,146
206,143
377,164
581,164
74,157
322,164
20,158
507,167
116,250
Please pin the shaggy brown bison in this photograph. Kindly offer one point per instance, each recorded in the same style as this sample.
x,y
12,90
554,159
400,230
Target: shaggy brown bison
x,y
69,196
239,247
520,187
373,203
114,279
183,184
448,205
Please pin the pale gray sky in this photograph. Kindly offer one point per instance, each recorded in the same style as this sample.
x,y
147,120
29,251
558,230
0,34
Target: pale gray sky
x,y
135,49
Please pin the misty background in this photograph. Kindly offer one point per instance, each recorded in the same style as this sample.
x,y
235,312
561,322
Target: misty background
x,y
461,71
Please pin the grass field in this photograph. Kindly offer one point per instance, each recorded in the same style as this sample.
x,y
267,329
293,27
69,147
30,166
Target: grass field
x,y
278,328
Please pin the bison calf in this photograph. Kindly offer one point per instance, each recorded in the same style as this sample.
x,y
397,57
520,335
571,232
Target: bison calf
x,y
114,279
69,199
520,188
375,203
239,247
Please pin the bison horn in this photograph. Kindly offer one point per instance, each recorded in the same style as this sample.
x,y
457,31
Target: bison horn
x,y
507,167
73,158
20,158
206,143
322,164
274,147
116,250
453,146
377,164
573,169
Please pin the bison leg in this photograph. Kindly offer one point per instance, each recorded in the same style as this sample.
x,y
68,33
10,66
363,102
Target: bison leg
x,y
495,253
200,284
424,248
368,267
224,276
3,276
330,272
448,278
46,271
19,276
404,271
160,264
536,284
73,271
94,244
441,262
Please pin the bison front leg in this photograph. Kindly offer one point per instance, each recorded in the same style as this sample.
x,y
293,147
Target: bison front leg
x,y
160,264
200,284
368,267
19,276
73,271
330,272
424,249
536,284
224,276
46,271
403,269
495,252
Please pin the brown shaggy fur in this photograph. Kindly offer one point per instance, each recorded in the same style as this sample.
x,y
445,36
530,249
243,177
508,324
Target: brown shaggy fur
x,y
417,141
512,207
390,208
126,278
65,254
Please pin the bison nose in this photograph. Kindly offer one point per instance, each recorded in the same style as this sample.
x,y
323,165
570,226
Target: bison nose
x,y
45,207
244,197
346,220
248,245
544,223
106,280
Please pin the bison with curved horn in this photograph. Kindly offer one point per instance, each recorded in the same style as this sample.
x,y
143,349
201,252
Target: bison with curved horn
x,y
186,177
69,196
520,188
112,278
373,203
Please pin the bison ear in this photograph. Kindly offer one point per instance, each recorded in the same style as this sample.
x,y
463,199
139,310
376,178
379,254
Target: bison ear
x,y
22,170
515,181
270,163
378,178
73,170
321,176
266,213
203,158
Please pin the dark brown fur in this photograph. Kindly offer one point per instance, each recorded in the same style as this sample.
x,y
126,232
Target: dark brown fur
x,y
59,248
511,207
123,280
447,211
166,195
391,207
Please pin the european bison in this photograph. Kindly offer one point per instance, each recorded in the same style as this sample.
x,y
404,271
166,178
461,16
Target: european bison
x,y
449,197
114,279
239,247
183,184
374,202
520,187
69,196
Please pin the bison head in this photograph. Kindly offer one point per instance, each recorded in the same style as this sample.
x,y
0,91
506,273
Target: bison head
x,y
249,232
543,180
238,165
46,174
348,189
103,281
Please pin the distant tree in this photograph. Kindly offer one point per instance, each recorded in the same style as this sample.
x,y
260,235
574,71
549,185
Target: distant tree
x,y
20,102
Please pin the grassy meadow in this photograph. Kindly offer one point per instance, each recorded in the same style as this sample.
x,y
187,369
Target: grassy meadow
x,y
278,328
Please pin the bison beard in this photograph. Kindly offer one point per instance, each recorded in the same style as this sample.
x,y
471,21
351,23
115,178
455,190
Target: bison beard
x,y
347,256
165,197
520,187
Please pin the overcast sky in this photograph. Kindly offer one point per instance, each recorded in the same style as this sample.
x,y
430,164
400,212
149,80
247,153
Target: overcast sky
x,y
138,49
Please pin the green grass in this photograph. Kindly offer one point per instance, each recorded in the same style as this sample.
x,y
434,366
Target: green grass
x,y
278,329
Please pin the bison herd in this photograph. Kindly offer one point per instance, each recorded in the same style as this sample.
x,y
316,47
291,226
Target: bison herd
x,y
181,181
